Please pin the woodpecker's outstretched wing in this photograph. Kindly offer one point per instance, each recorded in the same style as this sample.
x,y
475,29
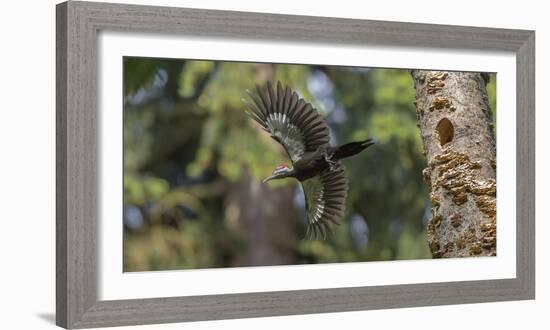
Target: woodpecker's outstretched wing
x,y
290,120
325,200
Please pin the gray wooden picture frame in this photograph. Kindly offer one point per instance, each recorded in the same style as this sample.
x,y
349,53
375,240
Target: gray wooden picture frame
x,y
78,24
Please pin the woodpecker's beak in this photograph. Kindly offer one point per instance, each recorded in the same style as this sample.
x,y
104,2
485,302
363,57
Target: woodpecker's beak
x,y
271,177
367,143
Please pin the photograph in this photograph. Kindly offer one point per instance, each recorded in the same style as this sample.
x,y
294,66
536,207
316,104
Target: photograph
x,y
241,164
268,165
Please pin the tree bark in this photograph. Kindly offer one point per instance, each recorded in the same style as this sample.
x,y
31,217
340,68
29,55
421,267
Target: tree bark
x,y
457,132
265,221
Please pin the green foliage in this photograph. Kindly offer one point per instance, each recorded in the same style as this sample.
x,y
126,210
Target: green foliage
x,y
137,73
188,144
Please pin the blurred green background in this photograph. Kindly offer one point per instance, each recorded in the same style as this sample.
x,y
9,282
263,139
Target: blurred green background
x,y
193,165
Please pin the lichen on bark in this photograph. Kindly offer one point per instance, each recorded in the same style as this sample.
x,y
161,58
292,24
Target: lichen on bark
x,y
459,144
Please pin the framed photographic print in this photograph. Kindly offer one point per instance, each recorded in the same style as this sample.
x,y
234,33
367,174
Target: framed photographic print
x,y
215,164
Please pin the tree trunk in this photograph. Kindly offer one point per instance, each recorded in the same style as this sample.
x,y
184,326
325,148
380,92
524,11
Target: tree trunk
x,y
264,219
459,144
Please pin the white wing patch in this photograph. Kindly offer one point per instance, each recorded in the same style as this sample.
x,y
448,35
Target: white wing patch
x,y
287,134
290,120
325,196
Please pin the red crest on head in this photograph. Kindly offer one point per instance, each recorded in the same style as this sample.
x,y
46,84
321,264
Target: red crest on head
x,y
280,168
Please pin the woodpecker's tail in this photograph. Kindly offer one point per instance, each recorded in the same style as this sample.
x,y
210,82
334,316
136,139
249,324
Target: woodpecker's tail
x,y
352,148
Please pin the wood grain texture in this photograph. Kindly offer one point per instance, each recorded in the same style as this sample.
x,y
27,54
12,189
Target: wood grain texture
x,y
77,143
77,150
296,28
525,166
61,167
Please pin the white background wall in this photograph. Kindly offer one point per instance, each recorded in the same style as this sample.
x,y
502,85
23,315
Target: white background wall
x,y
27,163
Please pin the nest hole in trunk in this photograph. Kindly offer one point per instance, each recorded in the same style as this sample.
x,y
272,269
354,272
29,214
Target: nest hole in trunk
x,y
445,131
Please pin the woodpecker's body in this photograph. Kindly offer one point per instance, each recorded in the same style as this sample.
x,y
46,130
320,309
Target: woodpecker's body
x,y
313,163
299,128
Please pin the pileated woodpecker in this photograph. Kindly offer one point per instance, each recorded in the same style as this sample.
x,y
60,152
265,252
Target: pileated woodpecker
x,y
303,133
